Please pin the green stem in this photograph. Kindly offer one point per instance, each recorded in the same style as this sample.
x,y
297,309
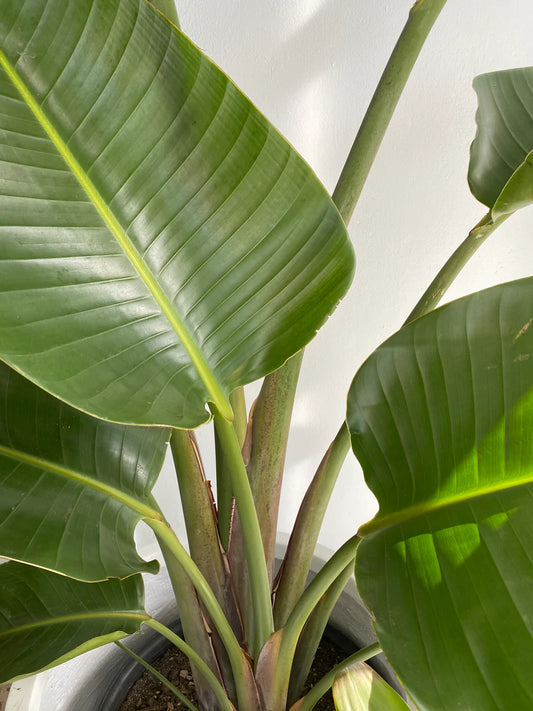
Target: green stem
x,y
377,118
352,179
184,700
264,458
255,553
293,573
238,663
436,290
240,422
357,167
224,490
270,425
277,677
313,632
316,588
198,509
192,621
319,689
206,551
201,522
195,659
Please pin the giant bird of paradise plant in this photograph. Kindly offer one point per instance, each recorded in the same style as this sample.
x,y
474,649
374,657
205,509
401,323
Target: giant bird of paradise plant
x,y
161,246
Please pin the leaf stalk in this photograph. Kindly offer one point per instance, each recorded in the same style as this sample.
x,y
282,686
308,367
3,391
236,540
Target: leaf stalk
x,y
297,562
384,101
287,638
255,553
313,632
236,655
440,284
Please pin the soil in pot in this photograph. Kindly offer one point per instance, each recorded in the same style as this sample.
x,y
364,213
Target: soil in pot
x,y
149,694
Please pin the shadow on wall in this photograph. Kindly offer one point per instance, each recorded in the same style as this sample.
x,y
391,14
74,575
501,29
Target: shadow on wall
x,y
299,50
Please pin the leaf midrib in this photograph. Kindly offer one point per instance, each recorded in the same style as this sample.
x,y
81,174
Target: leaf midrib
x,y
214,390
65,619
409,513
110,491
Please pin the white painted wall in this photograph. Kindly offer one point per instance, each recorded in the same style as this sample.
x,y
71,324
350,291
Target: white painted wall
x,y
311,66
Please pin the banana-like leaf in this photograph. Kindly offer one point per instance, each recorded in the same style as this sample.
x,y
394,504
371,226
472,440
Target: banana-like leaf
x,y
47,619
73,487
360,688
501,158
441,417
160,243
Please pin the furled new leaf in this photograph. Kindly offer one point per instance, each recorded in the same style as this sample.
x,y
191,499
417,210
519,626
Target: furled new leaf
x,y
501,157
73,487
360,688
441,417
46,619
160,243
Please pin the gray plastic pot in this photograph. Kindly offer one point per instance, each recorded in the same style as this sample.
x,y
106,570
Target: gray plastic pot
x,y
99,680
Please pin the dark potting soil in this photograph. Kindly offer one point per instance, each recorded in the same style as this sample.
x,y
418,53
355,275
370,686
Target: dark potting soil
x,y
149,694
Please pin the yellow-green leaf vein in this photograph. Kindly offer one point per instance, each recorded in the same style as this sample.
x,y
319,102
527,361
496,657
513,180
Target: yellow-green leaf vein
x,y
66,619
380,523
216,394
87,481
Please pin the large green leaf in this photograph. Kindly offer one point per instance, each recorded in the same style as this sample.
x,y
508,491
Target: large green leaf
x,y
360,688
501,159
46,619
441,417
160,243
73,487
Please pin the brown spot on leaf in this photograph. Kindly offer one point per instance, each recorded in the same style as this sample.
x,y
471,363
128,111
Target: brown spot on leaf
x,y
523,329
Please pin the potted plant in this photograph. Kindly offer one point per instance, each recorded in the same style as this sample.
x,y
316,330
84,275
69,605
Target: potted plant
x,y
163,246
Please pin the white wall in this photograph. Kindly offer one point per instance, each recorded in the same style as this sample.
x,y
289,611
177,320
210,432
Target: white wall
x,y
311,67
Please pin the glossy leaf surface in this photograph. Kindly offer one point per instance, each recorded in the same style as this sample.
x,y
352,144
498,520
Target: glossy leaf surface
x,y
160,243
73,487
46,619
360,688
441,417
501,170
